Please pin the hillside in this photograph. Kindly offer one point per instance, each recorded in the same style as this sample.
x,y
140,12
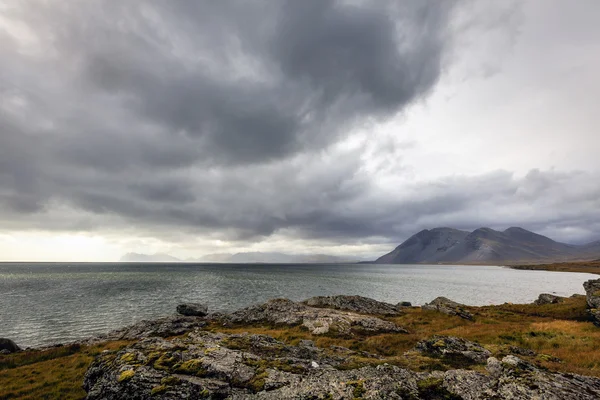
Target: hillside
x,y
485,245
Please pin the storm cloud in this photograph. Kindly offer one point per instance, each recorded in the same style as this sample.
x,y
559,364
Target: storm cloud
x,y
246,120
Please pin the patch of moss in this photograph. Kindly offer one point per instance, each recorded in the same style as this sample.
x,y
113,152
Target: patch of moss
x,y
126,375
170,380
257,383
158,389
165,362
191,367
128,358
359,388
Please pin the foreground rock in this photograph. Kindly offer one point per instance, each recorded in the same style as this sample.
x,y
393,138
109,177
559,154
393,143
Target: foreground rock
x,y
547,298
592,294
317,320
447,306
356,304
7,346
192,310
453,348
220,366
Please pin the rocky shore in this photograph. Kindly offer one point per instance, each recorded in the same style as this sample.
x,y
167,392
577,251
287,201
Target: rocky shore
x,y
197,354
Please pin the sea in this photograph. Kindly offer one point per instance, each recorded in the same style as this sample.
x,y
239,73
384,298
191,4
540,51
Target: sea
x,y
50,303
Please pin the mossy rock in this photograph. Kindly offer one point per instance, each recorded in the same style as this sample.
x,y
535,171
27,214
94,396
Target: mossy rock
x,y
126,375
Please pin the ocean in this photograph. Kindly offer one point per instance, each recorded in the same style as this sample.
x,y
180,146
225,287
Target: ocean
x,y
50,303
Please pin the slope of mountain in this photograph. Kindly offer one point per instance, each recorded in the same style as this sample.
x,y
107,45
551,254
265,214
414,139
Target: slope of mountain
x,y
484,245
158,257
241,258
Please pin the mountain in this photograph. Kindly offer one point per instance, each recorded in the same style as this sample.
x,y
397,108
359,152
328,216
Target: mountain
x,y
241,258
485,245
158,257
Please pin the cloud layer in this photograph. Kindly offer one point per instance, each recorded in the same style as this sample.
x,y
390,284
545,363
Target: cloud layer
x,y
240,121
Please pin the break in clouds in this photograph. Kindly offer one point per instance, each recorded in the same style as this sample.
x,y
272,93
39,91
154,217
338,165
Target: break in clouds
x,y
240,120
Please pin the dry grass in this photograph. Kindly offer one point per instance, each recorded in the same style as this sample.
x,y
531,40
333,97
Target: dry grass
x,y
56,373
553,331
590,267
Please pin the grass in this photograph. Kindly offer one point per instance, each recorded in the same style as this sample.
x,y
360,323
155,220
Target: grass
x,y
590,267
55,373
560,334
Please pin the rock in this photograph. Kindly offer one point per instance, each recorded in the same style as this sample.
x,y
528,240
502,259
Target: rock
x,y
522,351
454,348
547,298
595,316
317,320
357,304
592,293
192,309
447,306
7,346
218,366
404,304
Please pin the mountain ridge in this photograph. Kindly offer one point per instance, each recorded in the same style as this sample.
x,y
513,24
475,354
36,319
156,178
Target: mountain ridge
x,y
484,245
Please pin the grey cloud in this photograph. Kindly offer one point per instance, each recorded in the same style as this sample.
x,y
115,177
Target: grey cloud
x,y
222,118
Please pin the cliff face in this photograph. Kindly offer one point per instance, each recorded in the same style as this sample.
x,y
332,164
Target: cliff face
x,y
447,245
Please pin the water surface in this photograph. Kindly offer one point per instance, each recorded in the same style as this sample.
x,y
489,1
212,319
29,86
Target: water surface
x,y
47,303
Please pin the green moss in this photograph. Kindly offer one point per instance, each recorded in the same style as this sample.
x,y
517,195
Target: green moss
x,y
359,388
126,375
170,380
128,358
191,367
257,383
204,394
165,362
158,389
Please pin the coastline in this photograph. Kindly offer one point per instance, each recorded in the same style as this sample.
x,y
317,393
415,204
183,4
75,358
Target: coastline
x,y
590,267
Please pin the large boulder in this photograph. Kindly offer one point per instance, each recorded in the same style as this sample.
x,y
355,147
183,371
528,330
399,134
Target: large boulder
x,y
547,298
7,346
358,304
447,306
192,309
203,365
454,348
317,320
592,293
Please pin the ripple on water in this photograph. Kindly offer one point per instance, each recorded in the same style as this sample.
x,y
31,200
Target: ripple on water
x,y
51,303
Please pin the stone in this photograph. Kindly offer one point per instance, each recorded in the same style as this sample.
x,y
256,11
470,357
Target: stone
x,y
404,304
318,321
547,298
7,346
192,309
592,293
454,348
357,304
219,366
447,306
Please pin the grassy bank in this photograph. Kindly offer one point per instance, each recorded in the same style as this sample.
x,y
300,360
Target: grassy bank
x,y
560,335
590,267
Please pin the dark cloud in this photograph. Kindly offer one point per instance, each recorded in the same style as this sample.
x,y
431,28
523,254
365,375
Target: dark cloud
x,y
228,118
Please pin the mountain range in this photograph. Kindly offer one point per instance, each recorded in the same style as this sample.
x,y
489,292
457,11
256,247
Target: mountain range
x,y
484,246
245,257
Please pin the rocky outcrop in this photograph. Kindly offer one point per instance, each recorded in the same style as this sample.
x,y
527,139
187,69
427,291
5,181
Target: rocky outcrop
x,y
219,366
7,346
447,306
404,304
592,295
357,304
192,310
454,348
317,320
547,298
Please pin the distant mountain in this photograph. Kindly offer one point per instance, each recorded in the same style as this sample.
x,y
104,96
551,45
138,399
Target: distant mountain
x,y
484,245
158,257
241,258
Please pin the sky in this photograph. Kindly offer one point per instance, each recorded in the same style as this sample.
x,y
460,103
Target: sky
x,y
320,126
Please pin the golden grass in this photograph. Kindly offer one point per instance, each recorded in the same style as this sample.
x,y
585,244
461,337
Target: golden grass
x,y
56,373
554,331
590,267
